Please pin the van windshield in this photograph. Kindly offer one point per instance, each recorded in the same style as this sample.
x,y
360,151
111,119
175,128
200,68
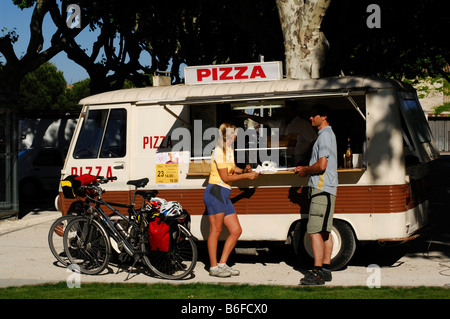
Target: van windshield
x,y
416,132
102,135
415,117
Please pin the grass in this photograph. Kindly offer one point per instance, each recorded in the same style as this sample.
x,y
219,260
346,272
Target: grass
x,y
211,291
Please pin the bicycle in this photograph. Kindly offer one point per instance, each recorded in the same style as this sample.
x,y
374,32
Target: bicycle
x,y
87,239
56,231
55,237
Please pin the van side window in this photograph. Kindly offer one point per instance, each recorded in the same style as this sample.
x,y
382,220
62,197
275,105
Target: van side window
x,y
93,136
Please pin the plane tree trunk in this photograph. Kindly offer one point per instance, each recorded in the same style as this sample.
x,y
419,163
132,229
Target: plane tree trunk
x,y
305,45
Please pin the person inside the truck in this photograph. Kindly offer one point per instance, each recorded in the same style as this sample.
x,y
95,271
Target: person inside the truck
x,y
217,200
292,127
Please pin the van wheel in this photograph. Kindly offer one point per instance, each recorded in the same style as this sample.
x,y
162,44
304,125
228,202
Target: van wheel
x,y
344,244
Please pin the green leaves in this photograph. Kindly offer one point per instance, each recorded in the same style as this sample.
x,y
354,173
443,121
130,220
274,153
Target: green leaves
x,y
23,4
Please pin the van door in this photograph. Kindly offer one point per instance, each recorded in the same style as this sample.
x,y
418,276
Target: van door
x,y
101,146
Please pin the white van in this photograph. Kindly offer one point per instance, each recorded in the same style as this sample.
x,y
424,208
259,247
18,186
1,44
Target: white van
x,y
136,133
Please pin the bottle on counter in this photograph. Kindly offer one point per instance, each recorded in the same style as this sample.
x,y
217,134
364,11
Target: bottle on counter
x,y
348,158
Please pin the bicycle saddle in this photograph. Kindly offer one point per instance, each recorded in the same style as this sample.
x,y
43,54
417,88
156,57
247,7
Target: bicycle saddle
x,y
139,182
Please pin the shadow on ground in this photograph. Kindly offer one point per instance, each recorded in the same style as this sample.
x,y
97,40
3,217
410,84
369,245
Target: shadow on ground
x,y
436,238
43,202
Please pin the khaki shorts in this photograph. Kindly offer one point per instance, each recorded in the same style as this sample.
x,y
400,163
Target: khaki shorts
x,y
321,211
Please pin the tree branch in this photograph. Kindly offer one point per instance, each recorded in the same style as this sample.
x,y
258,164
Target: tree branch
x,y
7,49
36,38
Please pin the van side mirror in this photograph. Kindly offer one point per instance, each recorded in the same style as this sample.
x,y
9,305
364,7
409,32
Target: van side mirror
x,y
85,114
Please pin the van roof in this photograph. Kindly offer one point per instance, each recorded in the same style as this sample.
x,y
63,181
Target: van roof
x,y
226,92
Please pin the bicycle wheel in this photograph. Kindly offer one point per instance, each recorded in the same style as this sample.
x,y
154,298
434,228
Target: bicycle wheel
x,y
55,238
179,261
87,245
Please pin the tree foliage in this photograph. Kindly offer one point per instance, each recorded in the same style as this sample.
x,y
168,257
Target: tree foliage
x,y
211,32
175,32
410,42
16,68
45,91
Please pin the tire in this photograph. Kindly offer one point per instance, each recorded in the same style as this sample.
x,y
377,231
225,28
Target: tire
x,y
55,238
87,245
179,261
344,244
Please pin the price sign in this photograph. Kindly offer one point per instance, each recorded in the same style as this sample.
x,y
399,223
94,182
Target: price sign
x,y
166,173
167,169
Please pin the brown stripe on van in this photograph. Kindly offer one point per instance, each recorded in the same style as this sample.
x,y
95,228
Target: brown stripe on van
x,y
379,199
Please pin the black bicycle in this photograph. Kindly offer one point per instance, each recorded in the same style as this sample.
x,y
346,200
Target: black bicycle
x,y
55,237
89,239
71,189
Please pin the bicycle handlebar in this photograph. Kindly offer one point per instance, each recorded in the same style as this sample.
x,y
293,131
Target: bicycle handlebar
x,y
104,180
100,180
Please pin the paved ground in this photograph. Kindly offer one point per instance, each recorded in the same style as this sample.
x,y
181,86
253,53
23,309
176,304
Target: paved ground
x,y
26,259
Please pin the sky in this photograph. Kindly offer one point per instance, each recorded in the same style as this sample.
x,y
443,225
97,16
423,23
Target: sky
x,y
12,17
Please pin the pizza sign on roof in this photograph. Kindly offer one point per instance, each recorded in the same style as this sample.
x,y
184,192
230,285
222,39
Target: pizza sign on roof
x,y
226,73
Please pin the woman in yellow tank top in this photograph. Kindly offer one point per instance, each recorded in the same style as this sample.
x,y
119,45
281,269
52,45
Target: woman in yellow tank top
x,y
217,200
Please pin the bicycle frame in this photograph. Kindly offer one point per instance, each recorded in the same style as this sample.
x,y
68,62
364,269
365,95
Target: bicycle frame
x,y
112,230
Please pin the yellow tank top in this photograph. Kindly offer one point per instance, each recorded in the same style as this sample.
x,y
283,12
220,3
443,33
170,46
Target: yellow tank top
x,y
220,160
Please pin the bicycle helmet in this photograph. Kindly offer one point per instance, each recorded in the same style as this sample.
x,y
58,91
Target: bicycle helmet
x,y
171,209
154,203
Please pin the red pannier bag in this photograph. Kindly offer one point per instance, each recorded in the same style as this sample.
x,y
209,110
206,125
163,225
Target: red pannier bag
x,y
158,235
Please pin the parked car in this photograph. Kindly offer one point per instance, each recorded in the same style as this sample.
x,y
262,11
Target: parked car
x,y
40,170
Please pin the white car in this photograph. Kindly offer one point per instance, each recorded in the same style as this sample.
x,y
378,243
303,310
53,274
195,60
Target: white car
x,y
40,170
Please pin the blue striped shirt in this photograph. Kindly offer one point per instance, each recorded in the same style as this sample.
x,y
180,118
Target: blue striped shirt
x,y
325,146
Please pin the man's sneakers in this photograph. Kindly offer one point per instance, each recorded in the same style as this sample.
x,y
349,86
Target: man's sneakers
x,y
223,271
316,277
327,274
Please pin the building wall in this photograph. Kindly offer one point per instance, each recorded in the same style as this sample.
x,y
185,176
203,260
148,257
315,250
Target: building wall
x,y
9,197
440,127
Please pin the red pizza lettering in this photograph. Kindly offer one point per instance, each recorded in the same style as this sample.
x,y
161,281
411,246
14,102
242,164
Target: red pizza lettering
x,y
203,73
224,76
257,72
240,73
228,74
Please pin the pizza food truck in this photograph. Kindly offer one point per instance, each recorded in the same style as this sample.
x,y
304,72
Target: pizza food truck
x,y
166,133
